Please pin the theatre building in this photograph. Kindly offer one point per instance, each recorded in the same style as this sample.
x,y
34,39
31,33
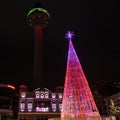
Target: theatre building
x,y
40,104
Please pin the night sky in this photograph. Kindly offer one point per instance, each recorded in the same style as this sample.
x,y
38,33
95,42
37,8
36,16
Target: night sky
x,y
94,23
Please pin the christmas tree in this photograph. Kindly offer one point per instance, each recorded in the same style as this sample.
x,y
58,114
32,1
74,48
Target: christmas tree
x,y
78,102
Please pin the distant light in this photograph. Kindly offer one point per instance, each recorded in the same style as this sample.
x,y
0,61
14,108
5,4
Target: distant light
x,y
69,35
8,86
11,87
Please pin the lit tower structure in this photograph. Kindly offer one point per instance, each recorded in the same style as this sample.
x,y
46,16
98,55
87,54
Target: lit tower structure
x,y
38,18
78,102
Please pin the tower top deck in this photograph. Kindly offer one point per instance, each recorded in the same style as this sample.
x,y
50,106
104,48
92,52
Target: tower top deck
x,y
38,16
36,10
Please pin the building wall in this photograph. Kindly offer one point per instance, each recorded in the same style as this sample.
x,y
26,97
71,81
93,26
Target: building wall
x,y
39,104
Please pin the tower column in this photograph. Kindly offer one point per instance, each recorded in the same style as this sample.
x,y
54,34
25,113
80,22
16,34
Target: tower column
x,y
38,56
38,19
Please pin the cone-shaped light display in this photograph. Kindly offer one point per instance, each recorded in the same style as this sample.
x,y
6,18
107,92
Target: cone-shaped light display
x,y
78,102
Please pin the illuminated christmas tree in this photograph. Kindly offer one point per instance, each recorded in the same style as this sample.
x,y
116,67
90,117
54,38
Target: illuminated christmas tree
x,y
78,102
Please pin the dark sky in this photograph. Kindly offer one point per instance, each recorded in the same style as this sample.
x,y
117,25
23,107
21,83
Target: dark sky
x,y
95,24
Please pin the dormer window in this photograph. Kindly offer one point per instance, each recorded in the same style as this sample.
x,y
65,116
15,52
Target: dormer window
x,y
46,94
41,95
37,94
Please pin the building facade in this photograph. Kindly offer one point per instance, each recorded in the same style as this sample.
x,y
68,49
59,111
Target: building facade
x,y
40,104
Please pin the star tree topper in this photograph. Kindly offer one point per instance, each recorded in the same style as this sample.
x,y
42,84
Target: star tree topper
x,y
69,35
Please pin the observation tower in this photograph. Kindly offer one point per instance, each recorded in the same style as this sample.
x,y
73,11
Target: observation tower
x,y
38,19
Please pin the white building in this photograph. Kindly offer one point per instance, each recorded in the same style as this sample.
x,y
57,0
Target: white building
x,y
40,104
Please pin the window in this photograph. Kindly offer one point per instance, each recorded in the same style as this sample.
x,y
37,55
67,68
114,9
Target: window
x,y
46,95
53,95
42,106
60,107
54,107
22,106
42,95
29,107
37,94
60,95
23,95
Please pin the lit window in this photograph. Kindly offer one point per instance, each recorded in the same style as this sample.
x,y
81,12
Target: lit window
x,y
42,109
47,109
60,95
37,95
22,106
38,109
53,95
42,95
29,107
54,107
46,95
60,107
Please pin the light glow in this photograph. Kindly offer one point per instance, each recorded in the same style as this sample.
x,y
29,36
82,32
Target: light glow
x,y
41,109
39,10
11,87
23,95
69,35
